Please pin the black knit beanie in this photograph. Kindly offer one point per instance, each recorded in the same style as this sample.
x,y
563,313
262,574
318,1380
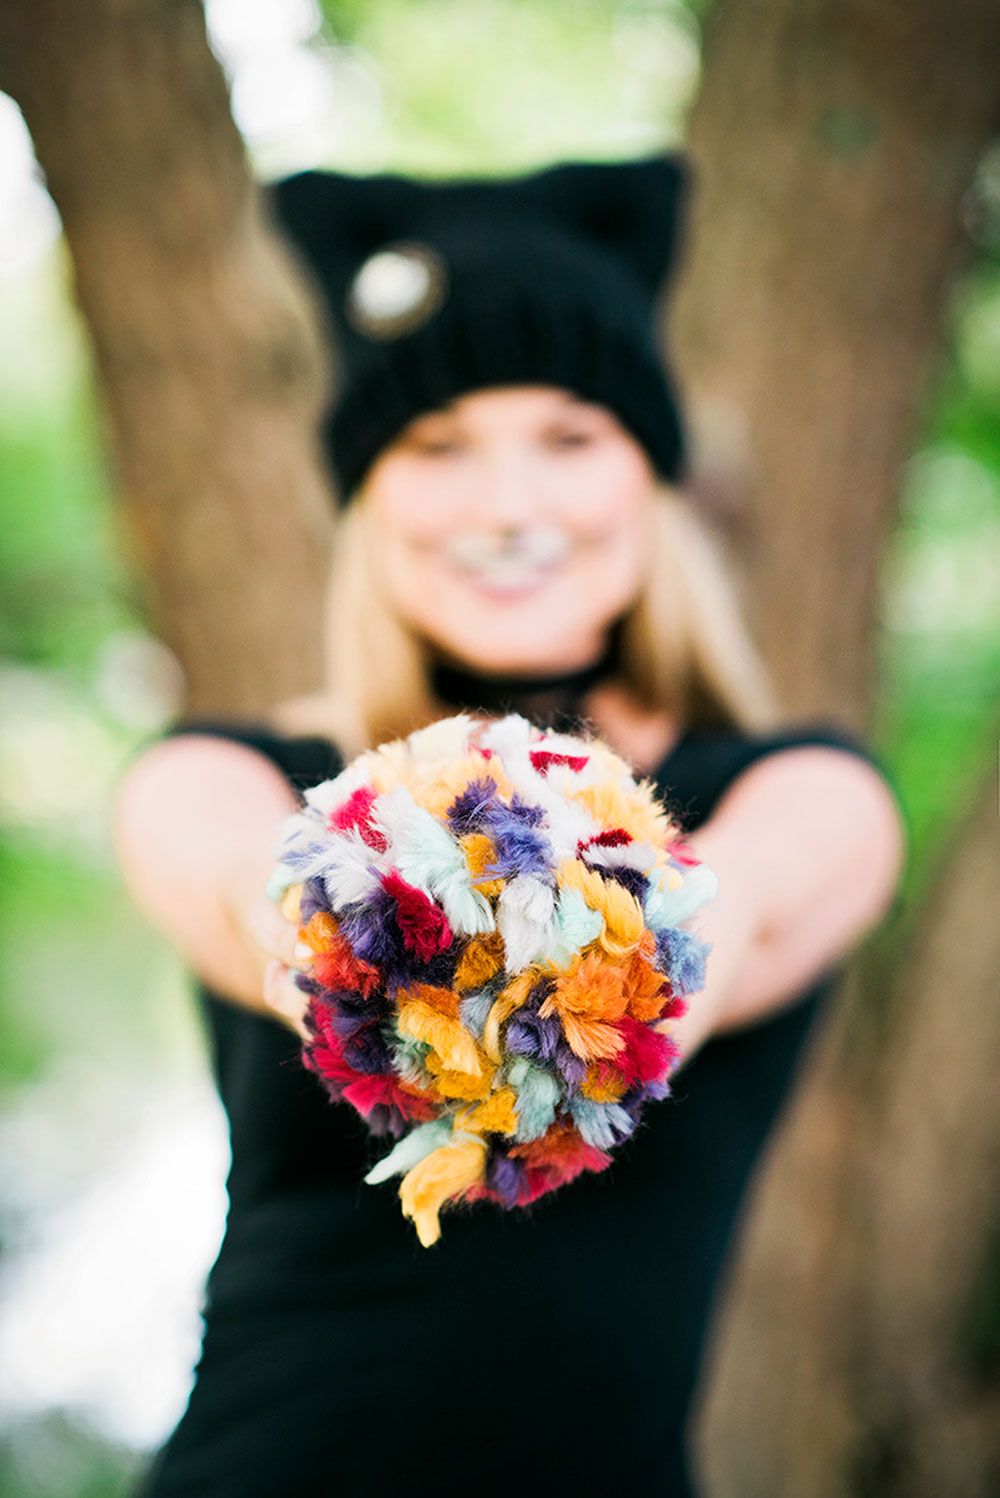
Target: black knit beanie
x,y
437,288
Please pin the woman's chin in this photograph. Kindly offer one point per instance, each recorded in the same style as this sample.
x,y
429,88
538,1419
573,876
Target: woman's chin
x,y
532,630
511,591
536,654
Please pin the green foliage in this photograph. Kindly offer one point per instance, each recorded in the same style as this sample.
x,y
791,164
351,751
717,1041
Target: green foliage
x,y
55,1457
502,85
940,645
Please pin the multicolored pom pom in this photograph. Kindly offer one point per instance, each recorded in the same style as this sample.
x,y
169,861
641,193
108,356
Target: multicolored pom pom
x,y
494,913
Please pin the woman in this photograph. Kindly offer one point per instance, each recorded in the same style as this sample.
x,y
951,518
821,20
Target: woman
x,y
508,451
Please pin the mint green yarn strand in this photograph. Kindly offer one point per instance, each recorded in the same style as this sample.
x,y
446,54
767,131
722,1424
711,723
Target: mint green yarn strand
x,y
409,1150
537,1095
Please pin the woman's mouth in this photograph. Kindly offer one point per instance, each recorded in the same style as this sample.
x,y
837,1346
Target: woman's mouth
x,y
512,567
507,582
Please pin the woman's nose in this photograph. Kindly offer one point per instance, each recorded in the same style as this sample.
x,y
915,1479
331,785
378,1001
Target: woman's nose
x,y
508,492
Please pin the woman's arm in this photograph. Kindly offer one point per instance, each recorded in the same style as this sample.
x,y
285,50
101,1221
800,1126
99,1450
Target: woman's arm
x,y
808,845
194,824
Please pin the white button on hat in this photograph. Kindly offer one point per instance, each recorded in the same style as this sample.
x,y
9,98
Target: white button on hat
x,y
396,289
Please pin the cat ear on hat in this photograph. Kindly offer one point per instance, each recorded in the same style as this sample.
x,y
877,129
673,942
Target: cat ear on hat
x,y
336,219
634,207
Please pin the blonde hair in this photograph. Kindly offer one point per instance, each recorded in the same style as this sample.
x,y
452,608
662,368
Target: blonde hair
x,y
685,645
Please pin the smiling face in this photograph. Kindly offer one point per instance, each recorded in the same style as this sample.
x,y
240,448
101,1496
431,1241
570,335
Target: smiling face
x,y
512,527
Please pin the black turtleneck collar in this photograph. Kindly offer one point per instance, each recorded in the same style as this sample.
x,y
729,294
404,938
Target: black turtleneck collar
x,y
553,701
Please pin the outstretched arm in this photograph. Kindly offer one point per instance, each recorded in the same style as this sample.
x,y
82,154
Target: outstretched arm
x,y
194,824
808,845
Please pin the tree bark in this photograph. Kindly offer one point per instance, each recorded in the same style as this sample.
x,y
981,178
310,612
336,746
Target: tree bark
x,y
859,1349
204,335
832,141
833,145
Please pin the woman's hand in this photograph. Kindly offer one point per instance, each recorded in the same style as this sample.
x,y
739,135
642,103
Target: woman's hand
x,y
278,939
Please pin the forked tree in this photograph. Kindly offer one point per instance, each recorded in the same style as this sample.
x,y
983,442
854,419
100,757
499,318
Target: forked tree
x,y
834,141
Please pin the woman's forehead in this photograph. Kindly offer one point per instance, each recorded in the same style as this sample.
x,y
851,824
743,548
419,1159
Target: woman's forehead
x,y
498,401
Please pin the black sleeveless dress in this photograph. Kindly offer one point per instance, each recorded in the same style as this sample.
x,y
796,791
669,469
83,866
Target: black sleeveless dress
x,y
554,1347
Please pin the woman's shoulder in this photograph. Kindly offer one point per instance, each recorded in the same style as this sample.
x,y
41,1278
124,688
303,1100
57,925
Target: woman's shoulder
x,y
744,746
708,758
304,759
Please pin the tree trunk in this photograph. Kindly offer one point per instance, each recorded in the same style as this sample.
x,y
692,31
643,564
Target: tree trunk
x,y
859,1351
833,144
832,141
205,339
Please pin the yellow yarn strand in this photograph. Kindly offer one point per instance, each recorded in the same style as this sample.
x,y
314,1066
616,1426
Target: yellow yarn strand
x,y
481,959
459,1084
291,902
479,854
624,921
387,765
612,805
445,1172
497,1114
449,1038
436,786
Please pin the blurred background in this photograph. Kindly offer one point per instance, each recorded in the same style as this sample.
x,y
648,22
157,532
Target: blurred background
x,y
112,1144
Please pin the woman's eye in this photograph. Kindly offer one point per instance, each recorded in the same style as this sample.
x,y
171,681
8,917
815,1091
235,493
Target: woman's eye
x,y
570,439
436,447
